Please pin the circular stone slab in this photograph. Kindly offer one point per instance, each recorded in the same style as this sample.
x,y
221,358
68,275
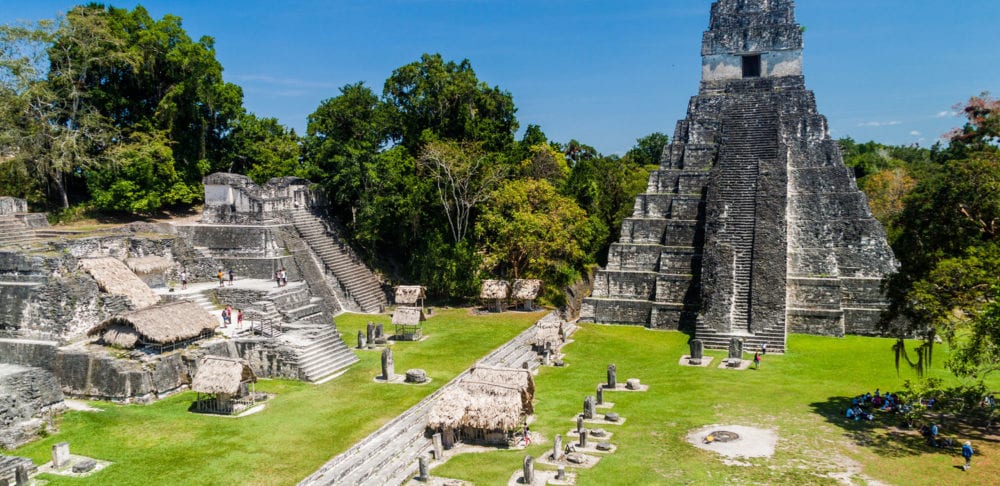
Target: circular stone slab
x,y
611,417
598,432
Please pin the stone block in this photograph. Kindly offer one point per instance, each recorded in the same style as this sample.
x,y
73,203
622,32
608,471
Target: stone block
x,y
60,455
84,466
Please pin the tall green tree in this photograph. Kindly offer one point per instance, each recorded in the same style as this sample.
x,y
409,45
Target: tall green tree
x,y
436,100
262,148
51,126
464,175
949,248
529,230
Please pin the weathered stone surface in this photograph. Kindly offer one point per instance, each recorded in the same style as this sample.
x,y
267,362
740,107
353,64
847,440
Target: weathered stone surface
x,y
735,348
84,466
603,446
598,432
388,365
588,407
611,417
11,467
752,203
27,395
416,375
60,455
633,384
697,350
576,458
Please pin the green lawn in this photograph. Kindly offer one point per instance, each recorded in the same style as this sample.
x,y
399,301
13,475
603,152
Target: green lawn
x,y
300,429
800,394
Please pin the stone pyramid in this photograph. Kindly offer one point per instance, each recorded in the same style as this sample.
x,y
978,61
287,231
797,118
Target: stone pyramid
x,y
752,227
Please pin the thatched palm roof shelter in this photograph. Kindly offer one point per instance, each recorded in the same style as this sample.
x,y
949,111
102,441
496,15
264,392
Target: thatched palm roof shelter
x,y
219,375
410,295
487,399
494,289
227,382
526,289
114,277
161,325
148,264
548,330
408,315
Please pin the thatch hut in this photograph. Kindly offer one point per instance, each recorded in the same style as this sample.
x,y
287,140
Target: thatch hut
x,y
494,293
548,332
525,291
115,278
150,269
486,406
223,385
410,296
159,327
408,322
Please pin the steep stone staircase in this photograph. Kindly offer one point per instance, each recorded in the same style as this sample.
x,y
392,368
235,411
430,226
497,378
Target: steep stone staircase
x,y
750,131
358,283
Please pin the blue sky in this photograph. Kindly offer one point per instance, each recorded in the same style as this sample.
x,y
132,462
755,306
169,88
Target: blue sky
x,y
602,72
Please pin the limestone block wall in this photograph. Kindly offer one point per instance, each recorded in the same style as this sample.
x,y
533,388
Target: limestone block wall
x,y
27,398
10,206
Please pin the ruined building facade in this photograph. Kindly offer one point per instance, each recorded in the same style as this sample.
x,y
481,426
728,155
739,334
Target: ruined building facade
x,y
752,227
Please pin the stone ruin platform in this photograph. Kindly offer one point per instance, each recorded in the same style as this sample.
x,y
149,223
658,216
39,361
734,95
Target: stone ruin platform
x,y
705,361
743,365
74,464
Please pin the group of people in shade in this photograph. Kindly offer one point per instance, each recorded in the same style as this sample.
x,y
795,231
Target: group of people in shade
x,y
863,406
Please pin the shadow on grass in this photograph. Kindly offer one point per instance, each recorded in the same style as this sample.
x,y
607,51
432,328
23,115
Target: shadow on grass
x,y
889,436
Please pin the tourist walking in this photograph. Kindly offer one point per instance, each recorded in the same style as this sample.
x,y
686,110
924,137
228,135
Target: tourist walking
x,y
239,318
284,277
763,349
231,275
756,361
967,453
222,277
225,318
184,280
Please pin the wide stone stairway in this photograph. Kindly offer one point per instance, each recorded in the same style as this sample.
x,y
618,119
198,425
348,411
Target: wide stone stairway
x,y
359,285
292,317
14,232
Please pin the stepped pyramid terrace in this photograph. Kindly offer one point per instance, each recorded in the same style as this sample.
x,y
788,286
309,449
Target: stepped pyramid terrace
x,y
124,312
752,227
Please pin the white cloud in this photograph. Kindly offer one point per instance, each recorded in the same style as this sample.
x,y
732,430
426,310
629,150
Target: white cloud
x,y
945,114
880,124
915,133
